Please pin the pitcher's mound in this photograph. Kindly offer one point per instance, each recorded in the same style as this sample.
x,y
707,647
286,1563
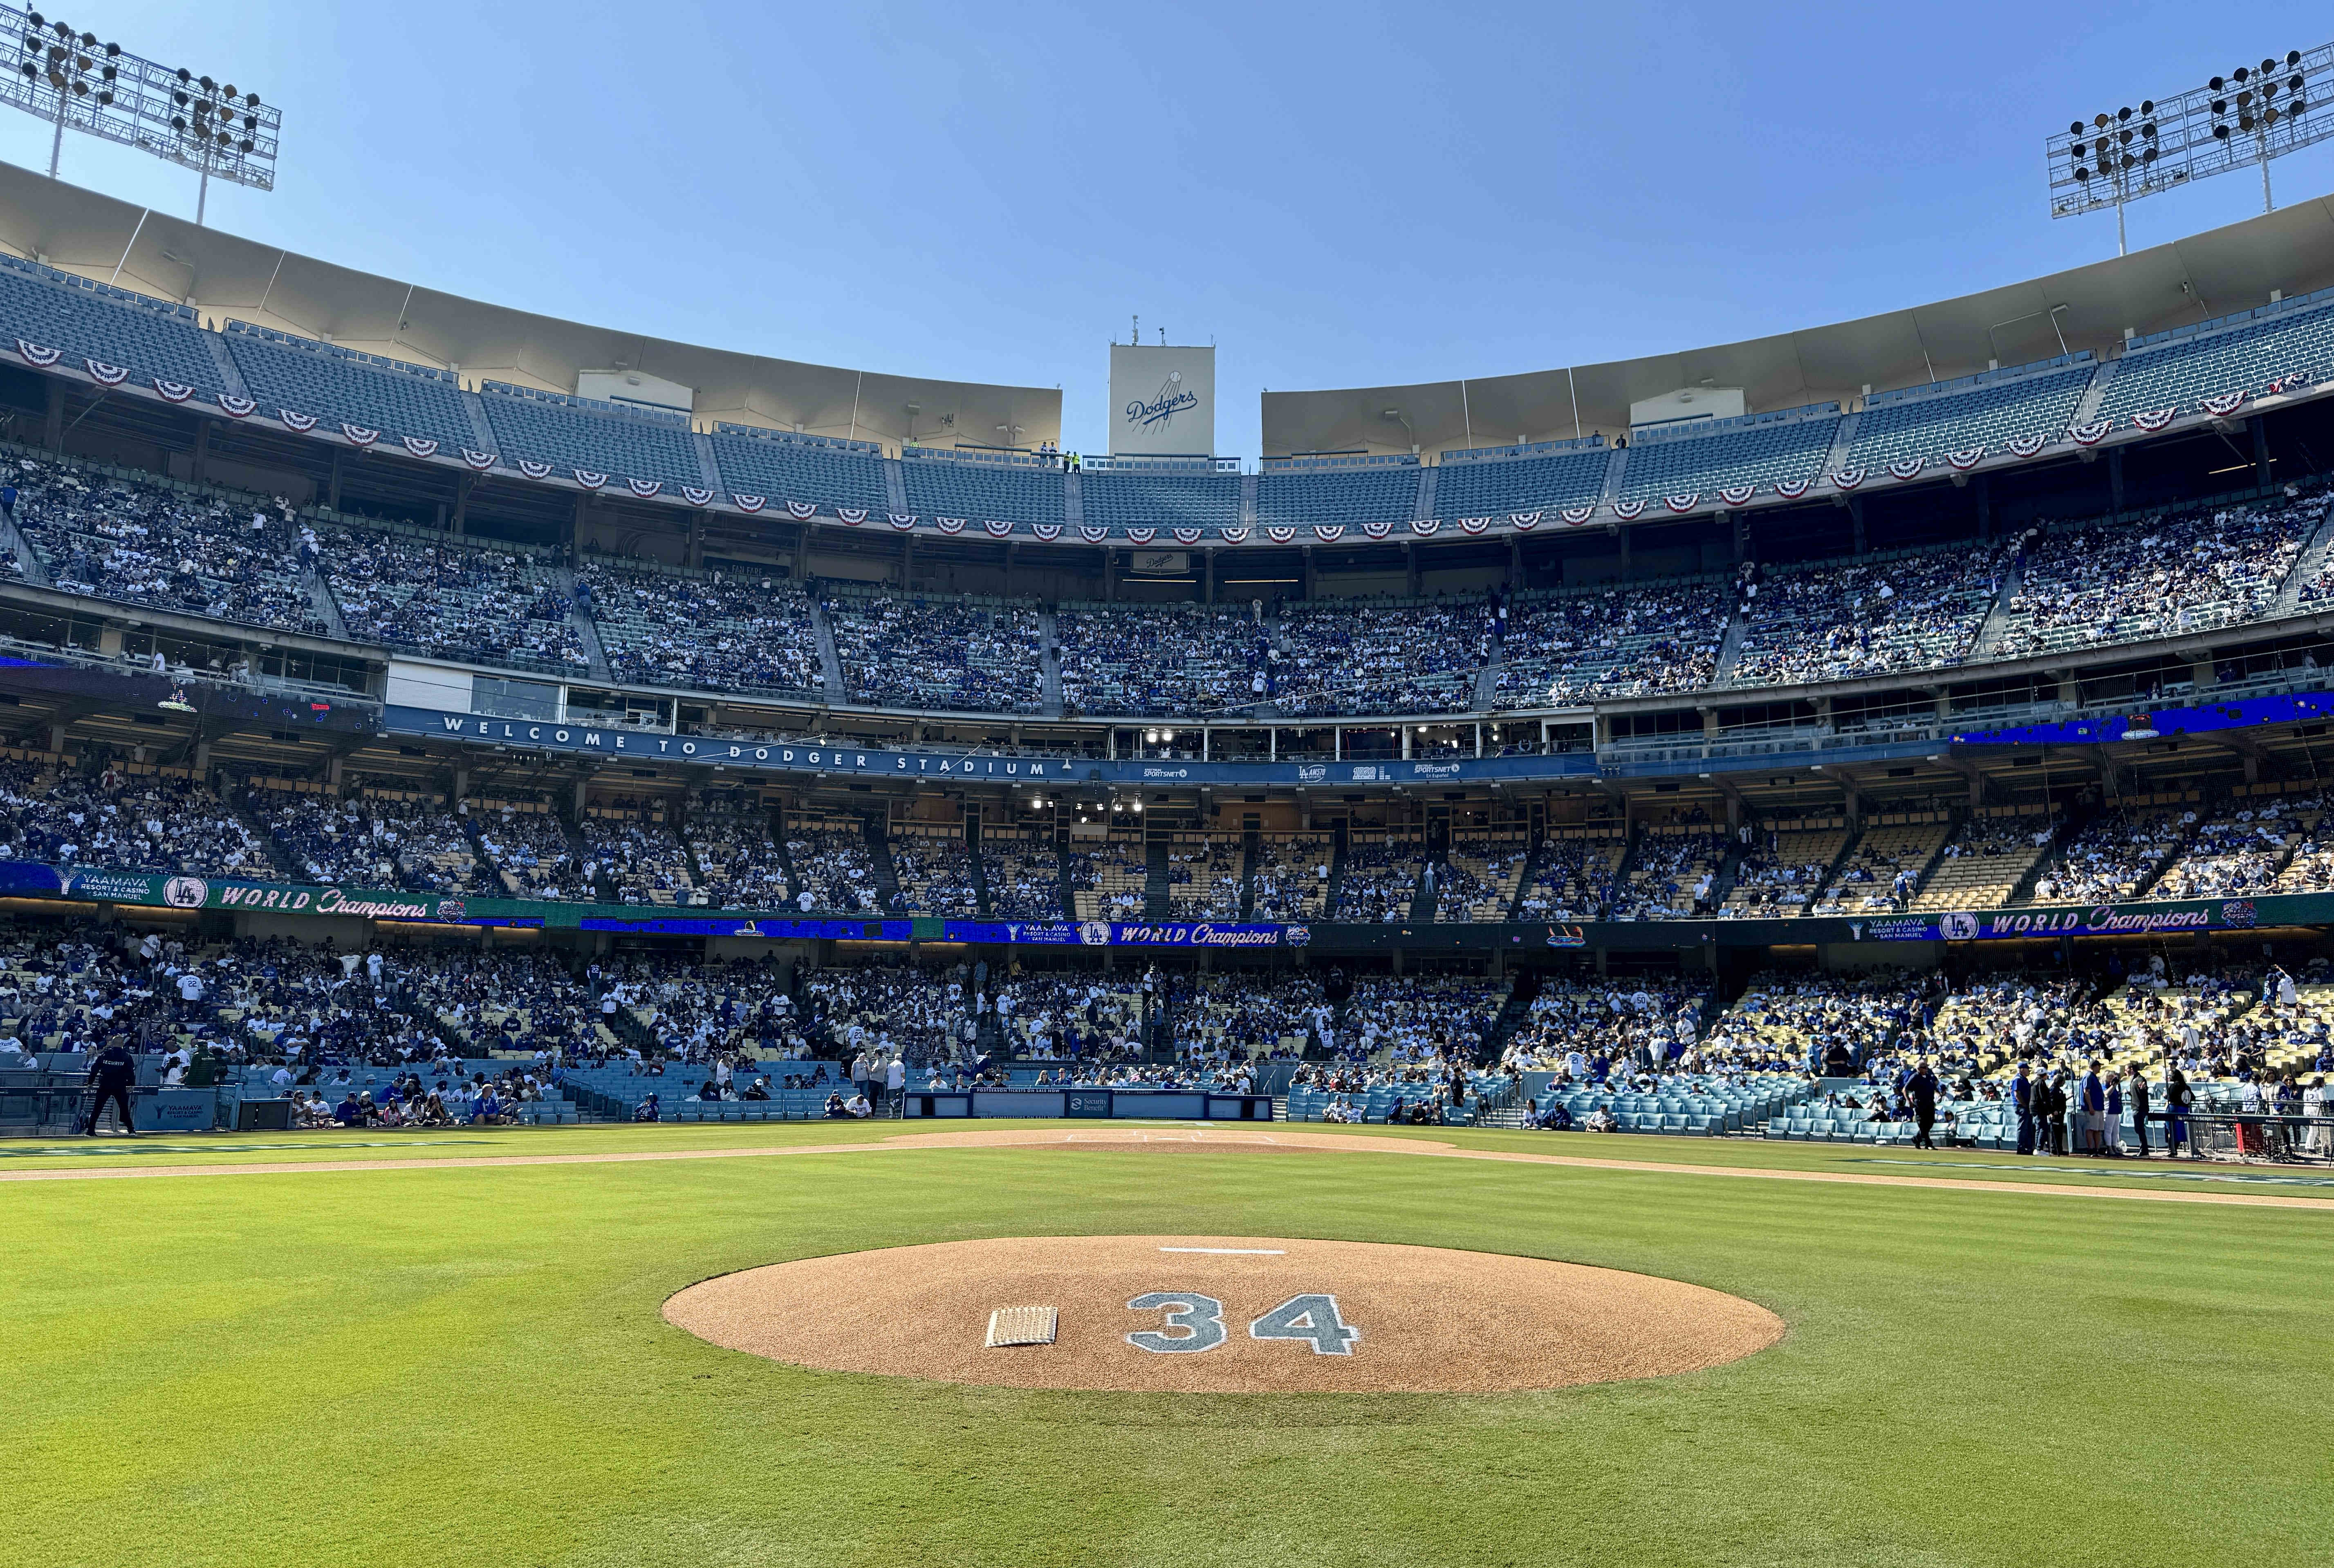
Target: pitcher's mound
x,y
1148,1314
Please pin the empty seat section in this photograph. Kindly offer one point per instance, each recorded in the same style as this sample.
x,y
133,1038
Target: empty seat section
x,y
1760,449
90,321
1917,423
1136,499
1495,487
340,387
1296,495
979,489
2180,368
781,467
576,433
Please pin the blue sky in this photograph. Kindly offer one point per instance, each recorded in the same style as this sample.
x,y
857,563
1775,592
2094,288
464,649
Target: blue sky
x,y
1334,196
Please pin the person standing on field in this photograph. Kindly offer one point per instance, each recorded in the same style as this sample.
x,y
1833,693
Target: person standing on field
x,y
1922,1088
2135,1092
112,1071
2021,1096
895,1082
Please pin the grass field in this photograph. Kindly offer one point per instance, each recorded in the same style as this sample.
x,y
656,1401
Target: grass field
x,y
467,1365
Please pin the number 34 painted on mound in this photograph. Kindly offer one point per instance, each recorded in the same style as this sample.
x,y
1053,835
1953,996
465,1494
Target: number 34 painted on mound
x,y
1198,1323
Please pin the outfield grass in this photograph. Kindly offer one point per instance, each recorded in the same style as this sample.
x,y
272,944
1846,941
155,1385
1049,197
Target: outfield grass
x,y
467,1365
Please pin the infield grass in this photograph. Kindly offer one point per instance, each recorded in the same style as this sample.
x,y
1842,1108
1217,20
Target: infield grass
x,y
467,1365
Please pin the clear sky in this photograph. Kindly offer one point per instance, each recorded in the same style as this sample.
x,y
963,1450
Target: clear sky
x,y
1337,196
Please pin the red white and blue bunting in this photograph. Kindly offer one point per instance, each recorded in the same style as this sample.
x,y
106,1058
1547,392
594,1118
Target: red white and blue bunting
x,y
1686,503
1574,517
419,445
2090,435
997,530
1377,530
1048,531
800,511
695,497
1527,520
1233,536
591,479
292,421
1628,511
1280,535
1141,535
1968,457
1791,490
173,391
1906,467
533,470
1187,535
1092,535
1737,494
358,436
644,488
752,503
2027,446
37,355
1847,479
903,521
1474,525
854,515
112,375
1426,527
2221,405
481,461
238,407
1329,532
2154,418
948,524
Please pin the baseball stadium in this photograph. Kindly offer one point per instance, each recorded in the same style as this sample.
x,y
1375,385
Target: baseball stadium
x,y
621,951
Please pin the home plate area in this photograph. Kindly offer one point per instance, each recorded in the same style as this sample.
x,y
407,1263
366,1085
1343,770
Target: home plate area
x,y
1198,1314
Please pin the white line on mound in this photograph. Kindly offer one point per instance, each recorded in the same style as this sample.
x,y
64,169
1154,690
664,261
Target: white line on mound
x,y
1234,1251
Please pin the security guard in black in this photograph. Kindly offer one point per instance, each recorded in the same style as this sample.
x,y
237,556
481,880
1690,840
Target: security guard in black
x,y
112,1071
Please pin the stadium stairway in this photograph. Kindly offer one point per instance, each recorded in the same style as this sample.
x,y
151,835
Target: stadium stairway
x,y
1843,441
579,621
2305,568
830,663
1729,649
1990,630
887,875
278,856
1155,885
1064,890
230,375
1337,888
1424,505
320,599
28,559
1050,658
1248,843
2087,407
1429,892
895,489
980,875
709,462
1074,513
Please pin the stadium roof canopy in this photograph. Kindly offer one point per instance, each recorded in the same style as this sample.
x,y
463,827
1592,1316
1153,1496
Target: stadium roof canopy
x,y
2210,274
225,277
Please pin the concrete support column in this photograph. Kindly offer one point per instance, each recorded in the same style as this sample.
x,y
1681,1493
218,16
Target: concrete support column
x,y
1855,520
200,761
334,770
462,488
2201,672
52,422
908,562
1741,538
2115,478
333,484
583,789
462,784
1982,490
1410,566
202,450
1624,550
1405,742
696,539
1307,573
2260,450
1110,576
1208,574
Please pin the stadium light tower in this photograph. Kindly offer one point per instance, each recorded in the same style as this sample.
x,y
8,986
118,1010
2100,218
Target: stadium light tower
x,y
2251,115
72,80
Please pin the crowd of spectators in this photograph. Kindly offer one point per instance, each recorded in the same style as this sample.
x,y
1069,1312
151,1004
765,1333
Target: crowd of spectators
x,y
113,818
983,657
230,559
1573,878
1477,880
1292,877
716,631
633,857
328,838
1406,657
1672,876
934,875
528,849
1834,623
1203,881
1623,641
2188,572
2236,852
834,868
1166,661
2115,855
498,606
1573,1026
1024,877
1821,1023
1380,879
736,859
1436,1022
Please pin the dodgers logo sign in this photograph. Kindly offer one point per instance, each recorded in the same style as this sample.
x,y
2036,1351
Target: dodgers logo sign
x,y
185,893
1158,412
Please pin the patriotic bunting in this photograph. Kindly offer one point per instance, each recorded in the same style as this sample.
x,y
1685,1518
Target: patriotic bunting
x,y
801,511
481,461
1527,520
1048,531
1425,528
589,478
1280,535
357,435
1686,503
644,488
237,408
2152,418
1141,535
2225,404
1092,535
112,375
1737,494
1847,479
903,521
1474,524
1330,532
1905,467
1574,517
854,515
292,421
1967,460
1187,535
1377,530
419,445
997,530
37,355
534,470
948,524
695,497
2027,446
1628,511
2090,435
173,391
1791,489
1233,536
